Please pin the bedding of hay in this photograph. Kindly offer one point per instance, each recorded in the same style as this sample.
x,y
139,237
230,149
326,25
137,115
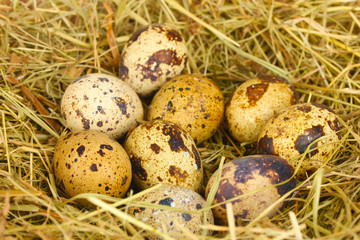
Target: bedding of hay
x,y
45,45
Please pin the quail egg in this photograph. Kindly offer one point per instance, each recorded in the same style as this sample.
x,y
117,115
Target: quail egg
x,y
101,102
254,102
162,152
307,128
254,183
192,101
173,208
90,161
153,54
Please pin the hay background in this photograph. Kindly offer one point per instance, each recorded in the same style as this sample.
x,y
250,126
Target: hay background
x,y
45,45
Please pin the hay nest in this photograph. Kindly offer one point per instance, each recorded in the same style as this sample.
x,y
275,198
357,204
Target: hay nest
x,y
45,45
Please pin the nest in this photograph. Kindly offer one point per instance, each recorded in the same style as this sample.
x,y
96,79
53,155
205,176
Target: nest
x,y
45,45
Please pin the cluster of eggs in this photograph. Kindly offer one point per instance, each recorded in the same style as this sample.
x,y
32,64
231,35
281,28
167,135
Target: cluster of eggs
x,y
160,146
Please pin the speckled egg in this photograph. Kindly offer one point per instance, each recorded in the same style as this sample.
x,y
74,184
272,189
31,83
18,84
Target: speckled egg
x,y
101,102
255,182
162,152
295,129
90,161
153,54
254,102
173,208
192,101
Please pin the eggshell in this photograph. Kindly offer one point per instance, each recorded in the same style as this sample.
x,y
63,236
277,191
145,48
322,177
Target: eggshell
x,y
91,162
162,152
153,54
292,130
256,182
192,101
254,102
173,208
101,102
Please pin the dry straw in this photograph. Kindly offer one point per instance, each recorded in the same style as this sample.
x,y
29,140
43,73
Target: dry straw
x,y
45,45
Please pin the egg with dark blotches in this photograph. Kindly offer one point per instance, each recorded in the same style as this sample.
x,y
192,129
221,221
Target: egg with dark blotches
x,y
162,152
192,101
254,102
173,208
252,184
101,102
308,128
153,54
91,162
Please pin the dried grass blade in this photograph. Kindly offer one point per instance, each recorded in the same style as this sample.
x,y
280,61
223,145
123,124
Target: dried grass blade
x,y
37,104
316,199
111,36
295,225
3,215
219,34
30,113
69,38
231,220
5,142
274,69
138,18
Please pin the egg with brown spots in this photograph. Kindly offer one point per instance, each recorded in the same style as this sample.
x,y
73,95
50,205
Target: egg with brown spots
x,y
192,101
153,54
91,162
307,128
172,209
162,152
252,184
254,102
101,102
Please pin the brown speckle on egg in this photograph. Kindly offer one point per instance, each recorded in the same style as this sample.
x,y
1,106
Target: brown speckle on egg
x,y
310,135
103,79
196,155
166,201
178,173
255,92
138,170
93,167
150,70
156,148
121,104
80,150
176,142
265,145
124,181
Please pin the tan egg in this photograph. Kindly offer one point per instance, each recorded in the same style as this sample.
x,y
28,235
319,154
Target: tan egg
x,y
152,55
254,102
255,182
173,208
162,152
307,128
91,162
192,101
101,102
